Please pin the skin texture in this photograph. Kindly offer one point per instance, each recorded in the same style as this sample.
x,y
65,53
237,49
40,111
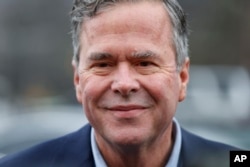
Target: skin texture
x,y
128,84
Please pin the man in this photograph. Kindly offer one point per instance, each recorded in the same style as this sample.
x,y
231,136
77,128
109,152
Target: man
x,y
131,69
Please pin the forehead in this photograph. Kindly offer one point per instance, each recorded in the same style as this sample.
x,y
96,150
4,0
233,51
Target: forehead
x,y
145,17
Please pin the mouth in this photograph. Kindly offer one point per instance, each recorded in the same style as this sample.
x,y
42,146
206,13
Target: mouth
x,y
127,111
126,108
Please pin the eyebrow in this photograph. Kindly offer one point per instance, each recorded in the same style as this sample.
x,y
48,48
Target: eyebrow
x,y
95,56
99,56
144,54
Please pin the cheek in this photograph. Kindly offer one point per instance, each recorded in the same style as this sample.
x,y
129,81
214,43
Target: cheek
x,y
89,89
90,94
163,86
92,89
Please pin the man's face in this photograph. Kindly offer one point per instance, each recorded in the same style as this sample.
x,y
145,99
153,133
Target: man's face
x,y
127,80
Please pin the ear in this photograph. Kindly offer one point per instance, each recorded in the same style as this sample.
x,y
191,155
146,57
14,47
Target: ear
x,y
184,78
77,82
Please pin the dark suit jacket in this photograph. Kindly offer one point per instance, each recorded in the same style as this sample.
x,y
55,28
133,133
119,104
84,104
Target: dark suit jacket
x,y
74,150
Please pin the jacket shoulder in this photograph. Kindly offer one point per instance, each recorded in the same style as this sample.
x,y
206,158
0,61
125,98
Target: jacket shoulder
x,y
73,149
197,151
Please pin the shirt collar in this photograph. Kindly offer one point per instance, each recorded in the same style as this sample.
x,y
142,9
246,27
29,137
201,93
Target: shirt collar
x,y
173,160
175,154
99,161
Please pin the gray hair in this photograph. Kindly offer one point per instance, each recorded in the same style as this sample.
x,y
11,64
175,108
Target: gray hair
x,y
89,8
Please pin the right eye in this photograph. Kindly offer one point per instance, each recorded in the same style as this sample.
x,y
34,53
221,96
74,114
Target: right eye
x,y
101,68
102,65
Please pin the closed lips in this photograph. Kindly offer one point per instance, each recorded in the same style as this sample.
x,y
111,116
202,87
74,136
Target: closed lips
x,y
126,108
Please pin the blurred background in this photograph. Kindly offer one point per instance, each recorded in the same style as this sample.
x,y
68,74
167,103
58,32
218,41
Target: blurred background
x,y
37,100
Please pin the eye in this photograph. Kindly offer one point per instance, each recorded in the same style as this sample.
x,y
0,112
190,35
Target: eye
x,y
145,63
102,65
146,67
101,68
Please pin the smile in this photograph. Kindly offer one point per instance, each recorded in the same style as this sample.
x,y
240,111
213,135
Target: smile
x,y
126,108
128,111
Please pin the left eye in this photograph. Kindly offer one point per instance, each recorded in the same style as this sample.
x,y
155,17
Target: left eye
x,y
144,63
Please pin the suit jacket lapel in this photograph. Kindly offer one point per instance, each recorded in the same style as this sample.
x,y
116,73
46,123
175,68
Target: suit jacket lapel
x,y
76,150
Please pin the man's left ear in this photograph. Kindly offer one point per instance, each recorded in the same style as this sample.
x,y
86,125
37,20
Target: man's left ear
x,y
184,78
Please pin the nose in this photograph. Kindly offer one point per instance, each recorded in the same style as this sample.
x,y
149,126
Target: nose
x,y
125,82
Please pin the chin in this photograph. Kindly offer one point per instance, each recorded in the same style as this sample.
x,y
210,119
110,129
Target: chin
x,y
130,138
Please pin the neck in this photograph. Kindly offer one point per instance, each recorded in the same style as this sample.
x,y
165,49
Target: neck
x,y
154,153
